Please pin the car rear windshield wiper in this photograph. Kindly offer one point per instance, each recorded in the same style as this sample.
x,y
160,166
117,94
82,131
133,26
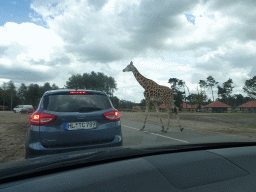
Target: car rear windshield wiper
x,y
85,109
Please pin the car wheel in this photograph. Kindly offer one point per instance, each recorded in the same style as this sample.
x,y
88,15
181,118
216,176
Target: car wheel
x,y
14,111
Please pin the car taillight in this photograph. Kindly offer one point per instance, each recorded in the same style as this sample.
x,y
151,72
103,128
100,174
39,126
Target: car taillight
x,y
77,92
112,116
42,118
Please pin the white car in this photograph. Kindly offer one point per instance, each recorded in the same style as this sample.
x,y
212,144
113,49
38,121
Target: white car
x,y
18,108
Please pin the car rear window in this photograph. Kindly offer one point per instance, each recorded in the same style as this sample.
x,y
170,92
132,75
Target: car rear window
x,y
72,103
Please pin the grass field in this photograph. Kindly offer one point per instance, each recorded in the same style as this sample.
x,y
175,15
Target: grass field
x,y
13,128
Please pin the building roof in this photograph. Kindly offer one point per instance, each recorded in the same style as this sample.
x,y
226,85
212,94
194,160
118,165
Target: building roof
x,y
183,105
186,106
195,106
249,104
217,104
162,106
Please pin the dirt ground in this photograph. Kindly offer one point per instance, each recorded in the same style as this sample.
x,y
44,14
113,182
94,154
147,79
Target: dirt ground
x,y
13,127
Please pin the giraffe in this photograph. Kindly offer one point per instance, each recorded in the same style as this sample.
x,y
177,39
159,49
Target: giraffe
x,y
154,93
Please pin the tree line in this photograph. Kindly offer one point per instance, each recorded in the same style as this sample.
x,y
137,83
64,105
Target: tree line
x,y
224,91
30,95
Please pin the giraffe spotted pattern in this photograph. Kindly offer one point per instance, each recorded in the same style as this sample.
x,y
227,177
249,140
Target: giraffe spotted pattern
x,y
155,93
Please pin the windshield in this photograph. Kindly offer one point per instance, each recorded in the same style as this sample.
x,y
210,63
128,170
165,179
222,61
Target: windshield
x,y
170,72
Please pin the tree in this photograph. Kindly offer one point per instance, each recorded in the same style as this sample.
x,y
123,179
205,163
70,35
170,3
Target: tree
x,y
33,94
199,99
225,91
75,82
211,83
239,99
4,86
191,99
208,101
183,84
176,84
202,84
142,103
12,92
22,93
9,94
44,88
94,81
4,93
54,87
250,87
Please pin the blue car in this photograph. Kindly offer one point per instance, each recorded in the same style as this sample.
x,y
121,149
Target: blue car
x,y
68,120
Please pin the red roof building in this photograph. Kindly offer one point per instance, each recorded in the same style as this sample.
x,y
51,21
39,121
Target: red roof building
x,y
195,106
217,104
248,107
218,107
185,106
162,106
249,104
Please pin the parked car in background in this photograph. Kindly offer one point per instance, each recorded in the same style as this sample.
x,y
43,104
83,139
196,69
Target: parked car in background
x,y
18,108
68,120
27,110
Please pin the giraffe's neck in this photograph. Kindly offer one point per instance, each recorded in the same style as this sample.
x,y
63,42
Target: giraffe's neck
x,y
140,78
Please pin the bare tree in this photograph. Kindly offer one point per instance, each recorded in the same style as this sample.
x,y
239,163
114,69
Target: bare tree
x,y
211,83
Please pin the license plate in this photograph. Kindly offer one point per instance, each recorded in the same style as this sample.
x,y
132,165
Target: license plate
x,y
81,125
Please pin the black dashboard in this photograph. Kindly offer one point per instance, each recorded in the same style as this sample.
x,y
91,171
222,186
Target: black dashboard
x,y
228,169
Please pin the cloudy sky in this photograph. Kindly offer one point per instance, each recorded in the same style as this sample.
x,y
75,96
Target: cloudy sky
x,y
49,40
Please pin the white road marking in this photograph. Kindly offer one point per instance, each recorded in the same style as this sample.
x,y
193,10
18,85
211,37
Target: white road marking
x,y
157,134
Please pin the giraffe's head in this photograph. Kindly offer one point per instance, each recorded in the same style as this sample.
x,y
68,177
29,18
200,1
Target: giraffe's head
x,y
129,67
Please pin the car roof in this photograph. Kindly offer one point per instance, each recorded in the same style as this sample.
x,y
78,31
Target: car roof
x,y
68,90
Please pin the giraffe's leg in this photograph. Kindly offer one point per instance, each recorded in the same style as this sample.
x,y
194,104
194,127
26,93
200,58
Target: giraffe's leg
x,y
169,117
155,104
147,105
178,119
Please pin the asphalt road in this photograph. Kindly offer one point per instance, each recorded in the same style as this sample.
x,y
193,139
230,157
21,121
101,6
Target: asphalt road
x,y
152,135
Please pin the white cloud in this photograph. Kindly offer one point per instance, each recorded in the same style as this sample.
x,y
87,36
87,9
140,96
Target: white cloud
x,y
104,36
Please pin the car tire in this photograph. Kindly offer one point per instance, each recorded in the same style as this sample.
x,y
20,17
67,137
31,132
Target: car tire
x,y
14,111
